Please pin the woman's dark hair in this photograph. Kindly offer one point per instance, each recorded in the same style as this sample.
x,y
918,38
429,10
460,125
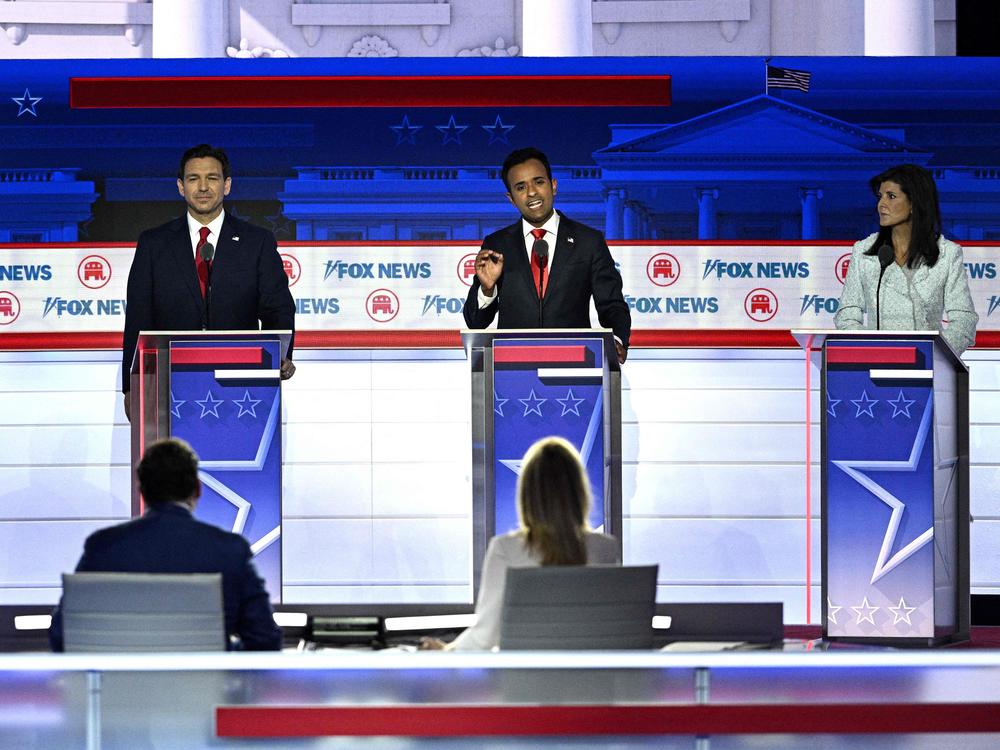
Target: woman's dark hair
x,y
553,495
925,223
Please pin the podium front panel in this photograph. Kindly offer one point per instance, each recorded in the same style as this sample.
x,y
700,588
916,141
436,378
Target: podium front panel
x,y
542,388
879,470
225,400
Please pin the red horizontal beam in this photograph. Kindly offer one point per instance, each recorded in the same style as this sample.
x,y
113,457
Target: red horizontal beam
x,y
539,354
201,92
447,339
871,355
623,720
217,355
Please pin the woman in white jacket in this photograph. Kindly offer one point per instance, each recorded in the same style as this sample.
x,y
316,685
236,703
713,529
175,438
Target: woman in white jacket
x,y
553,501
907,276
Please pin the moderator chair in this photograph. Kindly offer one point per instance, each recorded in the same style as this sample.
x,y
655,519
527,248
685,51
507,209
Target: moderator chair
x,y
578,607
113,612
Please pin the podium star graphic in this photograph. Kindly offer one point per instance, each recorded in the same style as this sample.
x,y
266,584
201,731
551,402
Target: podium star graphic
x,y
831,611
532,404
865,405
901,612
175,408
901,405
247,405
831,405
866,612
570,405
209,405
854,470
498,403
498,131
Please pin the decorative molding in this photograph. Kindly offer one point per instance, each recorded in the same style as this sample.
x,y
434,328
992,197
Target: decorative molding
x,y
609,15
313,16
372,45
499,49
133,17
245,50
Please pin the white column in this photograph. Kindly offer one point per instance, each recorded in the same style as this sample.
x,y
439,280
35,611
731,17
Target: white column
x,y
557,28
899,28
190,28
614,214
707,225
632,220
810,212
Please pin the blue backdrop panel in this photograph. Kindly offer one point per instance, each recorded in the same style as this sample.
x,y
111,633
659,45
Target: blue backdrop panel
x,y
560,392
234,424
879,493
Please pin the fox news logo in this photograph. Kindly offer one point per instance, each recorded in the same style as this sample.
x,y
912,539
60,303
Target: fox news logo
x,y
818,305
718,269
83,307
981,270
26,273
438,305
993,304
317,306
673,305
342,269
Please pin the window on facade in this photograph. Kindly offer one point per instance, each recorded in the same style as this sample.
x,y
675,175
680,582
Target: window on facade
x,y
28,236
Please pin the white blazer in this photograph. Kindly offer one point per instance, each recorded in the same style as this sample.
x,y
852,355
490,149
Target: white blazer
x,y
936,293
511,551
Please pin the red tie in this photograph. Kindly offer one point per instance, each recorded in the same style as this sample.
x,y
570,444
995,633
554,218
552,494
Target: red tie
x,y
536,266
200,262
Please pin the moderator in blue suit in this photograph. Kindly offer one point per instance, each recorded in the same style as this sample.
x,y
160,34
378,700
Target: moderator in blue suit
x,y
553,291
172,288
168,539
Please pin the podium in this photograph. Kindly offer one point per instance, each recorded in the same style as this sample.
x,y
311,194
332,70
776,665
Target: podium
x,y
895,488
221,392
534,383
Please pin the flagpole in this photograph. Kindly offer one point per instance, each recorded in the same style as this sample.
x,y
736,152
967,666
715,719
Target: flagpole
x,y
766,61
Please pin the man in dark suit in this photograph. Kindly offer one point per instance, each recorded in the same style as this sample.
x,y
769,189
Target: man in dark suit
x,y
168,539
172,288
511,277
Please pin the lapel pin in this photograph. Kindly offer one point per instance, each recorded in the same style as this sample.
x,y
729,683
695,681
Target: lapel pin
x,y
236,238
569,239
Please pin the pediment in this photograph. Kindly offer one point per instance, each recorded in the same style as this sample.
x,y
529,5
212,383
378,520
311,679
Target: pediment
x,y
760,126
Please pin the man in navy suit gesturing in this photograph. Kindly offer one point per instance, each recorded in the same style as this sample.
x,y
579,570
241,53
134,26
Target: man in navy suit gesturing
x,y
543,271
206,269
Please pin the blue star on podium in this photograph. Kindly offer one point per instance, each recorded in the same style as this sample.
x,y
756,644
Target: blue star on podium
x,y
532,404
176,403
831,405
901,405
498,403
570,405
865,404
247,405
209,405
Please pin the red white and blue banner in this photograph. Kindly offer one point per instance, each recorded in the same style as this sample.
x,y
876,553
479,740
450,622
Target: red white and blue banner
x,y
77,288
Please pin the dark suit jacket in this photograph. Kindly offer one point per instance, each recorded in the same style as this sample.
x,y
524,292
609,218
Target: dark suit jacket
x,y
248,285
171,540
582,268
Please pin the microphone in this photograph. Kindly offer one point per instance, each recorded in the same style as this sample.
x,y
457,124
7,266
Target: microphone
x,y
885,257
540,250
207,252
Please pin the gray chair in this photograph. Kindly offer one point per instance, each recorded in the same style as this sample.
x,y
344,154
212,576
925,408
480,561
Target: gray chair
x,y
110,612
578,607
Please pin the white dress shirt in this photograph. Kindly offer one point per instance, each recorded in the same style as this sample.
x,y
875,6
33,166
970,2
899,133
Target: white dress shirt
x,y
551,228
194,229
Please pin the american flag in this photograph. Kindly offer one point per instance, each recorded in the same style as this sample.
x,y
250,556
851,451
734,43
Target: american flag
x,y
784,78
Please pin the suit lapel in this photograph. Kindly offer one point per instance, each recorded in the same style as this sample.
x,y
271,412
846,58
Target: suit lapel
x,y
518,253
565,247
183,255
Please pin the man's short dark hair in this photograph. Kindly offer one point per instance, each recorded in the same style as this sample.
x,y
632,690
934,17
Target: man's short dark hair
x,y
168,472
201,151
520,156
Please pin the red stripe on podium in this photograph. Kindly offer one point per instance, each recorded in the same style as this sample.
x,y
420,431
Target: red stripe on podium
x,y
530,355
217,355
623,720
210,92
871,355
